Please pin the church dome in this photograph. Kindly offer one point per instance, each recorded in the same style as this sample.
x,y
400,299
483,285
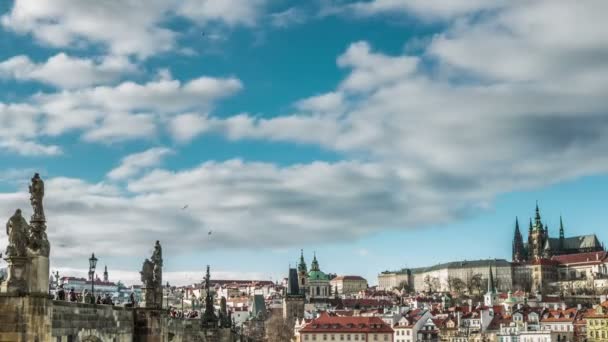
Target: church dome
x,y
317,275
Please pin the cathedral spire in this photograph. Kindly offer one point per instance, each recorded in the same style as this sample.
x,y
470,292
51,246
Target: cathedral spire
x,y
518,243
491,288
314,266
538,224
530,228
561,228
105,274
302,264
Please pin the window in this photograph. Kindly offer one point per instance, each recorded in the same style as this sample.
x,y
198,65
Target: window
x,y
324,337
348,337
386,337
375,337
341,337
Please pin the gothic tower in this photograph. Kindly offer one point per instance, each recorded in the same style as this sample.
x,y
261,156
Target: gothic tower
x,y
561,235
518,244
302,274
105,274
538,237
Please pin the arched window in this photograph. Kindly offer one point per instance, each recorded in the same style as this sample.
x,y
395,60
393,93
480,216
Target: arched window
x,y
318,290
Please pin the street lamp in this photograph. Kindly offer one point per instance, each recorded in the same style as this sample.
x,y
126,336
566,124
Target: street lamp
x,y
183,303
92,265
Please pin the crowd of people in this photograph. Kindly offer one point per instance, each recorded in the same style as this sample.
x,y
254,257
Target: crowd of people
x,y
87,297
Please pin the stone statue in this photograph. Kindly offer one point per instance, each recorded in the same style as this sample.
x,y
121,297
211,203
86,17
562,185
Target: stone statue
x,y
157,255
17,230
147,273
152,278
36,195
39,242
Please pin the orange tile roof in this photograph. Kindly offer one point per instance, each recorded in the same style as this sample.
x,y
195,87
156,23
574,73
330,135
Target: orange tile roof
x,y
345,324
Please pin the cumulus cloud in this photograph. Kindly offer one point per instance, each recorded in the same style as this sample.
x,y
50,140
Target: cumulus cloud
x,y
123,28
134,163
64,71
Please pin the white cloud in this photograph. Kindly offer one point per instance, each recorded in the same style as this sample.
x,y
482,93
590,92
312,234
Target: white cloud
x,y
128,110
64,71
426,10
123,28
134,163
289,17
19,126
29,148
185,127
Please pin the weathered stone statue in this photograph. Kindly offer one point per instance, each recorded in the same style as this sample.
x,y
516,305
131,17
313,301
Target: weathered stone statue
x,y
17,230
36,195
39,242
152,278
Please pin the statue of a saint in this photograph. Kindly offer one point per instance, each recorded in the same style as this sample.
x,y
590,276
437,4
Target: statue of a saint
x,y
36,195
18,231
157,255
147,274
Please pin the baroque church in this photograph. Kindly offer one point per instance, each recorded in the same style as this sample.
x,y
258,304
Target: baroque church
x,y
541,246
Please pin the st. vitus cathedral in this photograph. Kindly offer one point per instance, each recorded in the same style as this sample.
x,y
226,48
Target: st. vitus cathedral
x,y
541,246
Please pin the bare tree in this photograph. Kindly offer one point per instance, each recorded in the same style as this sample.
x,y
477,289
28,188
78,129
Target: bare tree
x,y
279,329
456,284
473,283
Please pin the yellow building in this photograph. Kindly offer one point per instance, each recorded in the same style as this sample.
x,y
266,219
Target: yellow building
x,y
348,284
597,323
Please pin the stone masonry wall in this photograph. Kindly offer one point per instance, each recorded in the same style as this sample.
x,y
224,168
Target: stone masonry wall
x,y
78,322
25,319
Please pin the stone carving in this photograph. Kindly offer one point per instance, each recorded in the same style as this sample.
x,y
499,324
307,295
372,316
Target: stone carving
x,y
18,231
39,242
147,274
152,278
36,195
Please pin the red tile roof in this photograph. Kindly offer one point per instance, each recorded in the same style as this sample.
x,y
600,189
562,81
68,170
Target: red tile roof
x,y
344,324
581,258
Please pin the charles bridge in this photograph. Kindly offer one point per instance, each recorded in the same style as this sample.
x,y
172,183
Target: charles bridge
x,y
29,314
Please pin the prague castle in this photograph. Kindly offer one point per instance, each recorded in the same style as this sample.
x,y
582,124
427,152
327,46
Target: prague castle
x,y
540,263
541,246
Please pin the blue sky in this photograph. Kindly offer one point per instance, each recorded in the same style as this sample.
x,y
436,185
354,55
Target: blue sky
x,y
378,133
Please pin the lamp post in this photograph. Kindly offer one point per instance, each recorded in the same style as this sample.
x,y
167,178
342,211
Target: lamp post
x,y
92,265
183,303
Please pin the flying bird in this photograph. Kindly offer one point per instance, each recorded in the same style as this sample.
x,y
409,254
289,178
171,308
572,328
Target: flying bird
x,y
185,207
209,233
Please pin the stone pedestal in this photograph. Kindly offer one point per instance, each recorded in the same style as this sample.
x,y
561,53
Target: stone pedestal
x,y
39,275
152,298
17,273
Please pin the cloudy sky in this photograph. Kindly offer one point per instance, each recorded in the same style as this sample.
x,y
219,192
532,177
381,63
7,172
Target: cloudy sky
x,y
378,133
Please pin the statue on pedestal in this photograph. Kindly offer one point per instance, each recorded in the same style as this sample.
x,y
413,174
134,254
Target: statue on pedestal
x,y
28,247
17,230
152,278
39,242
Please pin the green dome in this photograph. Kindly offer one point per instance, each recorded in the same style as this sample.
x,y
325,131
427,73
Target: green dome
x,y
317,275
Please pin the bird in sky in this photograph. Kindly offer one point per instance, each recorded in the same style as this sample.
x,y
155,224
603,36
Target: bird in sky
x,y
185,207
209,233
